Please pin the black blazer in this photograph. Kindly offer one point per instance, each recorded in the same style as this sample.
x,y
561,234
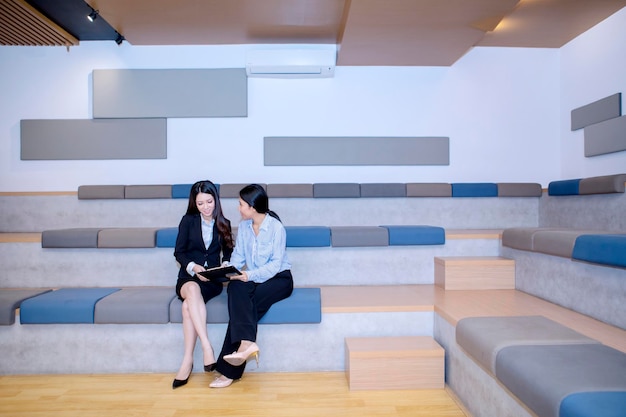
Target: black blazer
x,y
190,246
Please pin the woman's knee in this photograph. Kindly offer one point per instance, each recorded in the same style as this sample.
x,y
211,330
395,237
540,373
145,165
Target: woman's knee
x,y
190,289
236,286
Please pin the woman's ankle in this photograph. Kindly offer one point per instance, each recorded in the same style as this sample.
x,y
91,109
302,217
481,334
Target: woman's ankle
x,y
245,344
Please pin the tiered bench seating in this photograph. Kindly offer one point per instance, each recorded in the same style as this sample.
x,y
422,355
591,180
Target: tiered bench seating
x,y
582,270
593,246
552,369
297,236
135,305
606,184
363,315
320,190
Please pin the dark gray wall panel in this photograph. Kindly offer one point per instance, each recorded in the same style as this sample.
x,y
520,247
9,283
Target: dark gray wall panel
x,y
93,139
300,151
606,137
598,111
170,93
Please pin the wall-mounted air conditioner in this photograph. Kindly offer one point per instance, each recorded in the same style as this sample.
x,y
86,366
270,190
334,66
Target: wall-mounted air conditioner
x,y
291,63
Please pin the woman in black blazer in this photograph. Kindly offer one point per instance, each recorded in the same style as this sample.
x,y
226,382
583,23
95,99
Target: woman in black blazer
x,y
204,236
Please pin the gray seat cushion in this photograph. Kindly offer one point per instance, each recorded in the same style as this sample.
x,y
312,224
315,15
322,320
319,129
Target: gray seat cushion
x,y
10,300
336,190
483,337
131,237
216,309
70,238
148,191
521,237
434,189
97,192
290,190
605,184
520,189
359,236
383,190
558,242
542,376
135,305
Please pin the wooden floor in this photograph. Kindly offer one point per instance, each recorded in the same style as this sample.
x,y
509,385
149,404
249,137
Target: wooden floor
x,y
256,395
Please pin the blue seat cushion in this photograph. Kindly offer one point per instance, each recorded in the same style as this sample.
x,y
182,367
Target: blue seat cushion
x,y
416,235
303,306
479,189
308,236
601,249
166,238
66,305
594,404
564,187
181,190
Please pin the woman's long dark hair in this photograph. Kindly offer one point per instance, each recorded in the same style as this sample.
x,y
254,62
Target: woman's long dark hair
x,y
223,224
256,197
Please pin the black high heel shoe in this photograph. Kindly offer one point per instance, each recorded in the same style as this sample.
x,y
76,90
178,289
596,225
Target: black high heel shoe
x,y
211,367
180,382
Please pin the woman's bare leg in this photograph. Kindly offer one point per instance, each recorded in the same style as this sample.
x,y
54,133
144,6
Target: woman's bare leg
x,y
197,313
189,336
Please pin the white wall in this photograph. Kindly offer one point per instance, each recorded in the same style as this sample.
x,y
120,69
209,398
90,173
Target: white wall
x,y
593,66
501,107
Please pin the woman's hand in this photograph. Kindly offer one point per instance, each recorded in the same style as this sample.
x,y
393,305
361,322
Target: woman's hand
x,y
243,277
197,269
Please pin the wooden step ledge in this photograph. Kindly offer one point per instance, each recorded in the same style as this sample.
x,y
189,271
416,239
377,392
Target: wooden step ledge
x,y
408,362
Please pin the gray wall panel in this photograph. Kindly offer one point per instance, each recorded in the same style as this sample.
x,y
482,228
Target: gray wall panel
x,y
93,139
598,111
300,151
606,137
181,93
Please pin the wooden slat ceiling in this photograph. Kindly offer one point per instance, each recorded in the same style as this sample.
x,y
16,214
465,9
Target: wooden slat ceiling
x,y
21,24
367,32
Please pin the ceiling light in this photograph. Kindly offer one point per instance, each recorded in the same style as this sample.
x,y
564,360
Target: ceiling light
x,y
119,39
93,15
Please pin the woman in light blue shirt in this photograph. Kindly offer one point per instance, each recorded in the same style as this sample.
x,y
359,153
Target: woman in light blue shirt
x,y
260,253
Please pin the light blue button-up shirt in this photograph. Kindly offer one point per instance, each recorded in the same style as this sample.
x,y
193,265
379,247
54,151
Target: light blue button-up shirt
x,y
264,255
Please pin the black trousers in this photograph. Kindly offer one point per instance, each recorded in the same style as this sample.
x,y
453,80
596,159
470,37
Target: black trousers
x,y
247,304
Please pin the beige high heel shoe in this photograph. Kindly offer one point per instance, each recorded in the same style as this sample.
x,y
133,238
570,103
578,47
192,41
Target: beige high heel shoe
x,y
238,358
221,382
